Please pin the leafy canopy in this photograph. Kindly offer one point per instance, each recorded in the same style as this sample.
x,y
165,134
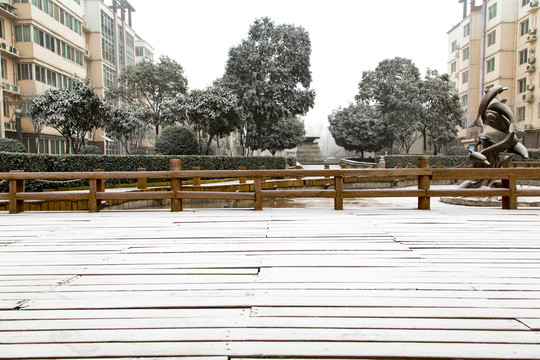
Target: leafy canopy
x,y
270,73
73,112
157,88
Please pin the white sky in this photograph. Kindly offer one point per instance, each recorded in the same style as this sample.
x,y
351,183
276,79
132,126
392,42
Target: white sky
x,y
347,37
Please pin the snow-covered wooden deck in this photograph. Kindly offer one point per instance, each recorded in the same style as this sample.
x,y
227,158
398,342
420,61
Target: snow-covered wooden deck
x,y
366,283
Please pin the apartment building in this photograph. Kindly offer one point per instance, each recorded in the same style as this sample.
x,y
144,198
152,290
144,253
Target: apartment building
x,y
45,44
495,44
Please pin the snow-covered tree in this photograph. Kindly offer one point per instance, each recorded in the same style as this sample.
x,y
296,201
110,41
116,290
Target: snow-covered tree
x,y
73,112
123,125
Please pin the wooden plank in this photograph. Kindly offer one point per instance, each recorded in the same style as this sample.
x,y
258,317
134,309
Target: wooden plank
x,y
263,322
268,334
285,349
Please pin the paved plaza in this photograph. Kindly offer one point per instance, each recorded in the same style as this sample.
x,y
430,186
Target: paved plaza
x,y
380,281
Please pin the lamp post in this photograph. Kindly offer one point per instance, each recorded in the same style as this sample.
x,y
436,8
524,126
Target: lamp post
x,y
18,126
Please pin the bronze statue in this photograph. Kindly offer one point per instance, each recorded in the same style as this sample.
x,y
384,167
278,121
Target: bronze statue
x,y
496,114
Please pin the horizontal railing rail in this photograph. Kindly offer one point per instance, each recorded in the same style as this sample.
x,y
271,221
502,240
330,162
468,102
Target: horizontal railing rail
x,y
96,192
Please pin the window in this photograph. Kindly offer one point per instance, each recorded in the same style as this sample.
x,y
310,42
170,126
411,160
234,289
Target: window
x,y
465,77
139,51
467,30
492,11
454,46
525,2
453,67
2,28
521,113
490,65
4,68
22,33
24,71
109,76
522,85
465,100
130,49
492,38
466,54
107,38
523,56
524,27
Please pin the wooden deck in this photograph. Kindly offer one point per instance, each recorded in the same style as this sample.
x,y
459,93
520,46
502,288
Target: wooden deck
x,y
366,283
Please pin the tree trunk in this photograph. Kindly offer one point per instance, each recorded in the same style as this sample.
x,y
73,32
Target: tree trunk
x,y
424,135
259,137
208,145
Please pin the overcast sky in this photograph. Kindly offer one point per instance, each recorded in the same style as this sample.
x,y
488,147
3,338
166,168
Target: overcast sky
x,y
347,37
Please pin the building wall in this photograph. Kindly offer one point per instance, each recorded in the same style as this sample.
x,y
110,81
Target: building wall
x,y
80,34
509,60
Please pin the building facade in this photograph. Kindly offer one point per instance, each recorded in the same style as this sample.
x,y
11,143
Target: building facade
x,y
495,44
45,44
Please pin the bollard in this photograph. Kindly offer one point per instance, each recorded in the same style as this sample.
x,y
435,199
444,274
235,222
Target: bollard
x,y
423,183
175,165
141,183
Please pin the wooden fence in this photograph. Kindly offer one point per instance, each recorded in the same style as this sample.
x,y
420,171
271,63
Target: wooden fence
x,y
424,174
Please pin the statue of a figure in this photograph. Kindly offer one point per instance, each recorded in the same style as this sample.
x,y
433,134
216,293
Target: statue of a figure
x,y
495,113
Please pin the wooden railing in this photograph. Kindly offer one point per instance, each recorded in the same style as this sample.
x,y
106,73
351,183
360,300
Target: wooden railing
x,y
424,174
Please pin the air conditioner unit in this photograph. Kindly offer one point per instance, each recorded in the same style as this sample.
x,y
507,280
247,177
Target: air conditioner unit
x,y
531,37
528,126
534,4
528,97
531,60
530,87
4,46
532,50
16,89
531,68
87,52
532,31
16,51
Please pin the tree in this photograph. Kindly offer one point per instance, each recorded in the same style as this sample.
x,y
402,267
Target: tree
x,y
176,140
443,110
214,111
393,89
157,88
287,133
412,107
358,127
269,72
122,123
73,112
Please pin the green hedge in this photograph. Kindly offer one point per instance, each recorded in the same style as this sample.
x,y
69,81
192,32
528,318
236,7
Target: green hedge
x,y
391,161
87,163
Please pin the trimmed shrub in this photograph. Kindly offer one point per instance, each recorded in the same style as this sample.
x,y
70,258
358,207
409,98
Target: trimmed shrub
x,y
176,140
392,161
91,149
12,145
88,163
458,150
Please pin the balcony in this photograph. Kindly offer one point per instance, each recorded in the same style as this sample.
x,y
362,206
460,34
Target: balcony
x,y
8,10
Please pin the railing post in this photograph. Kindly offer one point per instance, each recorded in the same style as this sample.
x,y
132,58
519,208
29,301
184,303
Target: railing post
x,y
196,181
92,201
176,185
15,186
141,183
338,187
510,202
327,167
242,179
423,183
100,187
299,167
257,185
263,179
